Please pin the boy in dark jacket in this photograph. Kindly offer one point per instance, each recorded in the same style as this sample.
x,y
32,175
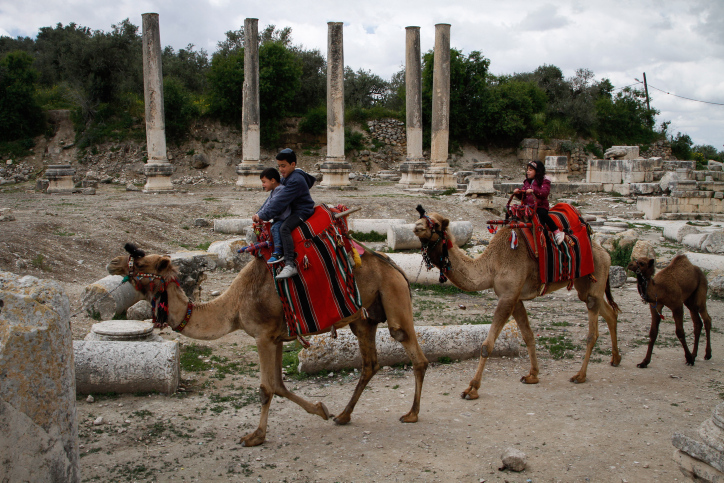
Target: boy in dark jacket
x,y
295,196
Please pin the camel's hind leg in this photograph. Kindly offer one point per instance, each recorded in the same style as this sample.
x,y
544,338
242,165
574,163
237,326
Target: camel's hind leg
x,y
270,368
594,304
500,317
365,333
678,314
696,304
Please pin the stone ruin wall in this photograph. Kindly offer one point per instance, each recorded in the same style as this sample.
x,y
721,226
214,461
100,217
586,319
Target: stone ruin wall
x,y
532,149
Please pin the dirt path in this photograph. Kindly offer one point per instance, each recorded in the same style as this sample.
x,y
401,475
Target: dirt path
x,y
615,427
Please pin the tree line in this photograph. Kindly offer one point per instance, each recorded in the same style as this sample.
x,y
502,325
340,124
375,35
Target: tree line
x,y
98,75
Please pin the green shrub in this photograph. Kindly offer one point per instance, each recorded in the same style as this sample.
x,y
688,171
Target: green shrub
x,y
372,236
179,109
314,121
353,141
620,256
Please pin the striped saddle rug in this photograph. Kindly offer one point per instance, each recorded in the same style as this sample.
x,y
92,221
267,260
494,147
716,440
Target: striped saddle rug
x,y
571,259
325,290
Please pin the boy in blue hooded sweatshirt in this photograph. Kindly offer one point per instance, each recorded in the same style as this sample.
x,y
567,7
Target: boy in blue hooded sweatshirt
x,y
295,196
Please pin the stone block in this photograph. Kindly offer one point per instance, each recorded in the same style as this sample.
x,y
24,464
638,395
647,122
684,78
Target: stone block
x,y
191,266
714,242
652,207
227,253
530,143
39,440
677,231
232,226
109,296
644,188
617,276
622,152
643,248
694,240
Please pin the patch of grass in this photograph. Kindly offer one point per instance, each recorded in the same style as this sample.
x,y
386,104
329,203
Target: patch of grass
x,y
63,233
142,413
39,262
560,324
290,361
193,358
483,320
449,191
558,346
438,289
444,360
210,198
372,236
203,246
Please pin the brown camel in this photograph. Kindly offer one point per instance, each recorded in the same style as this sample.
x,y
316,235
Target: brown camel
x,y
680,283
252,304
514,278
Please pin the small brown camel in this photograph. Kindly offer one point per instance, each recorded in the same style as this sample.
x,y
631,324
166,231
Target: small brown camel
x,y
514,278
679,283
251,304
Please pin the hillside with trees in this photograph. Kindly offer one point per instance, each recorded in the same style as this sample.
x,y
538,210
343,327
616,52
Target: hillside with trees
x,y
98,76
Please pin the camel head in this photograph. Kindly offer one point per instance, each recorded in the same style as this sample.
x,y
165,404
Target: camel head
x,y
643,266
429,225
146,270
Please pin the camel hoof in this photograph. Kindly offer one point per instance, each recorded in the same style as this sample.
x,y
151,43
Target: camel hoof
x,y
470,394
325,412
578,379
409,418
690,363
529,379
707,357
342,419
615,361
642,365
252,439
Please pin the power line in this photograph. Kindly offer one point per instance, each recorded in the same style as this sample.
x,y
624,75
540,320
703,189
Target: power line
x,y
687,98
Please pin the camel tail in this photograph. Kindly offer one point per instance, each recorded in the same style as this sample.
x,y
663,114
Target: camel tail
x,y
609,297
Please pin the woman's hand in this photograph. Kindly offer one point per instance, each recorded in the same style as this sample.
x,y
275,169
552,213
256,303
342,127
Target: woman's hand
x,y
516,191
529,191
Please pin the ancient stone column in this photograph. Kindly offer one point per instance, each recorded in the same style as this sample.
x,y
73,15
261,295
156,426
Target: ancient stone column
x,y
250,167
413,168
440,176
157,170
335,168
39,435
557,168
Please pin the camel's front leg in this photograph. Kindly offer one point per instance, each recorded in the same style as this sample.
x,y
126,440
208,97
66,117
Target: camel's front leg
x,y
365,333
594,305
500,317
653,334
521,318
270,357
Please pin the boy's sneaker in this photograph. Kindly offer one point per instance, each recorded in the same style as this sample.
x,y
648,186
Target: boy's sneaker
x,y
289,270
559,237
275,258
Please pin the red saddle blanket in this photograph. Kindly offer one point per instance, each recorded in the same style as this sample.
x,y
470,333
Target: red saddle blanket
x,y
568,261
325,290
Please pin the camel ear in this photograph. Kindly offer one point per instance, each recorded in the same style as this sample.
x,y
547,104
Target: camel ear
x,y
163,265
651,263
444,224
420,210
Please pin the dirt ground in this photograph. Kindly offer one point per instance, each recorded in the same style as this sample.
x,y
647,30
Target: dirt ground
x,y
616,427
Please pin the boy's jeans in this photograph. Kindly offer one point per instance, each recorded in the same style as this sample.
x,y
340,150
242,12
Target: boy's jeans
x,y
277,236
288,226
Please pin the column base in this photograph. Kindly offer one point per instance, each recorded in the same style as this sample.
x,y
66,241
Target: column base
x,y
336,175
248,175
439,178
158,178
413,174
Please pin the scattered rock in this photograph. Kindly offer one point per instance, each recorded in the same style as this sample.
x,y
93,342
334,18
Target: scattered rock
x,y
617,276
132,187
90,399
200,161
643,248
98,421
139,311
513,459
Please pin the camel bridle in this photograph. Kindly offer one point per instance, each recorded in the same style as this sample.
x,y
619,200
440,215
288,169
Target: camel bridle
x,y
642,284
430,244
157,286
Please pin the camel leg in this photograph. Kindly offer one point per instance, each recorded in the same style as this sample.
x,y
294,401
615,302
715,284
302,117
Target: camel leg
x,y
408,339
270,369
500,317
611,318
678,314
521,318
365,333
594,306
707,329
653,334
698,324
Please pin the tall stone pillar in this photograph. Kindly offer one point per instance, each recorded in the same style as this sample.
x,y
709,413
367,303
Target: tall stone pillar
x,y
157,170
335,168
440,175
250,167
413,168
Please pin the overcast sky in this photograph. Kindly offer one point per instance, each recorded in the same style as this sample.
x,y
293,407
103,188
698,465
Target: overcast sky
x,y
678,44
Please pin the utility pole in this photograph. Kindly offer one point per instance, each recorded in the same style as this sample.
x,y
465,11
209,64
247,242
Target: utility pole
x,y
646,89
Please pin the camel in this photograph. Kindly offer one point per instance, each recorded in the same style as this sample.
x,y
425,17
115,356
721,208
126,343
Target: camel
x,y
251,304
679,283
514,278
